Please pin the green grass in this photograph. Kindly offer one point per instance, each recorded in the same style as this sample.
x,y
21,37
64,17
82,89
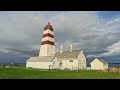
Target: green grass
x,y
25,73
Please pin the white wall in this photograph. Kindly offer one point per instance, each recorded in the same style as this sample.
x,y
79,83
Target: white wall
x,y
82,61
98,65
46,50
55,63
105,66
69,65
48,31
40,65
48,38
43,50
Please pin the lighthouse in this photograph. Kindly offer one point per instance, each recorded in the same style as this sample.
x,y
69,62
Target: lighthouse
x,y
47,44
47,50
49,59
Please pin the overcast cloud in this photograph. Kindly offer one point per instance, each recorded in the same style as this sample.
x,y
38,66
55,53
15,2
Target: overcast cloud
x,y
21,32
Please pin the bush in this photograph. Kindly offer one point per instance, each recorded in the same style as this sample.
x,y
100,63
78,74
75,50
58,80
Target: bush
x,y
113,70
66,69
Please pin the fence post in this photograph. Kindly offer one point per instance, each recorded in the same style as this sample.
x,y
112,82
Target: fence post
x,y
49,67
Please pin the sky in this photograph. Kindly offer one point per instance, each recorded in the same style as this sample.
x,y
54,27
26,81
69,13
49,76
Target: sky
x,y
97,33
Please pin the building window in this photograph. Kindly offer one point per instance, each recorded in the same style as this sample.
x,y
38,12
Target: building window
x,y
70,60
51,53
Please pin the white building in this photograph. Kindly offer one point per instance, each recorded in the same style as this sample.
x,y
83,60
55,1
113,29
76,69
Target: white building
x,y
43,62
47,44
49,59
73,60
66,60
47,50
99,64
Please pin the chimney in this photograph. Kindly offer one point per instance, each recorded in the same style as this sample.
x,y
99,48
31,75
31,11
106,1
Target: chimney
x,y
61,48
70,48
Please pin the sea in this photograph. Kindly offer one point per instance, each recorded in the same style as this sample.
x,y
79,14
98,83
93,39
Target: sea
x,y
12,64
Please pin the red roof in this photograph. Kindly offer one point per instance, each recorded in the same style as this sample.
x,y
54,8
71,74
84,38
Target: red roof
x,y
48,27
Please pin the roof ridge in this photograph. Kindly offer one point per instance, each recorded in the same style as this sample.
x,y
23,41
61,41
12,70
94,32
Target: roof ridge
x,y
69,51
68,54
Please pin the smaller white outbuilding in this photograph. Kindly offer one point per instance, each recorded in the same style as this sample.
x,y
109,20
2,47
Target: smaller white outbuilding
x,y
99,64
43,62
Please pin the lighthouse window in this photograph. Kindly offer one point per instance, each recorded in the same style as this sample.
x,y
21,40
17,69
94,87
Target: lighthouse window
x,y
51,53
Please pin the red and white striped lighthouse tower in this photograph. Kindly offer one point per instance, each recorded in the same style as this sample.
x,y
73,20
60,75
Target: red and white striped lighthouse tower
x,y
47,44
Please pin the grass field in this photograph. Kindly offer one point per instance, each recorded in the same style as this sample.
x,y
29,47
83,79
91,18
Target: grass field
x,y
25,73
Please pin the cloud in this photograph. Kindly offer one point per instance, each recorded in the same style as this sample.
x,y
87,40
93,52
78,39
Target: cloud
x,y
113,50
21,32
85,30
